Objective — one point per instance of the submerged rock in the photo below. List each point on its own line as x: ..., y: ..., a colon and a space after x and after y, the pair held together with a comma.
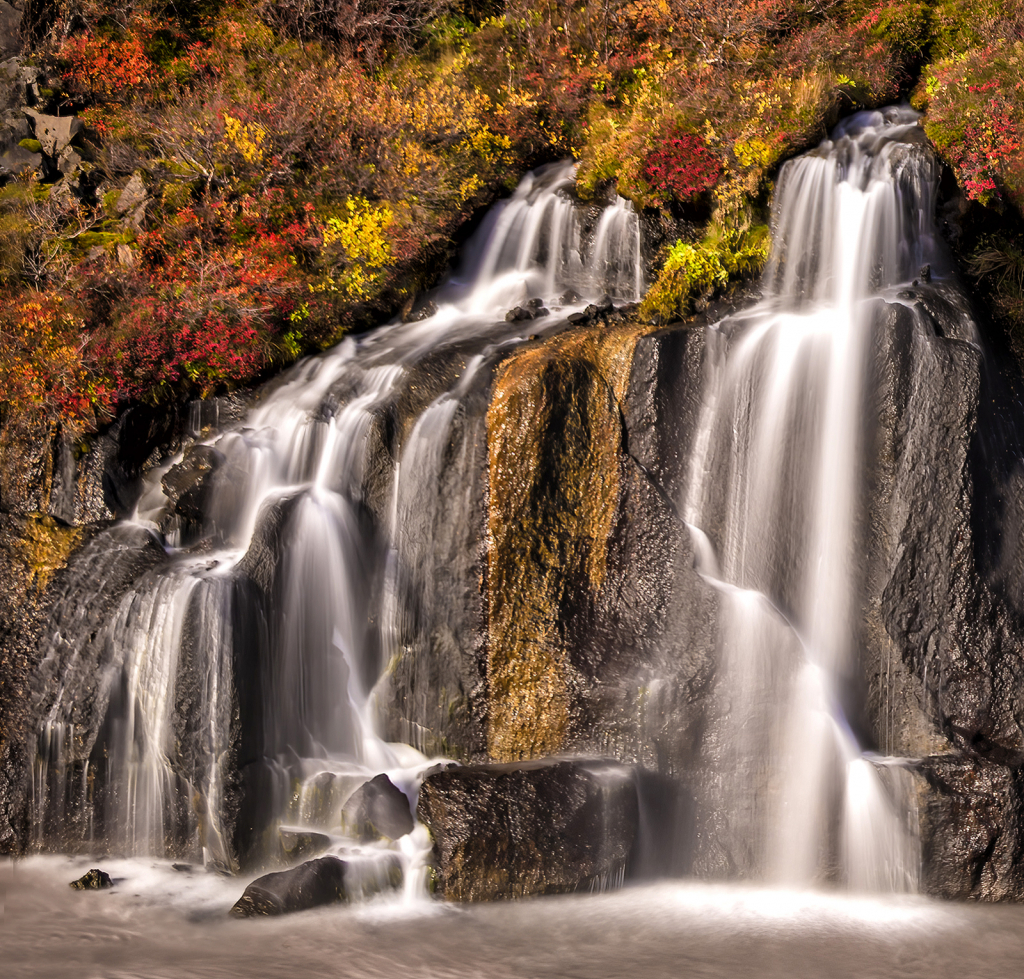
x: 507, y: 831
x: 94, y: 880
x: 328, y: 880
x: 378, y: 809
x: 299, y: 843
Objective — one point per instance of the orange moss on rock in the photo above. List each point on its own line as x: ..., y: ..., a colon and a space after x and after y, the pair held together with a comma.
x: 555, y: 464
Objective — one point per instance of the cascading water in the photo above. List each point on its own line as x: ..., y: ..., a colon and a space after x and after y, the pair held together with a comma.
x: 238, y: 674
x: 776, y: 507
x: 294, y: 584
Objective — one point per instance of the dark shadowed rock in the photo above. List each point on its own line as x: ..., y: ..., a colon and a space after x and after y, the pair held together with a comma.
x: 519, y: 313
x: 328, y: 880
x: 415, y: 312
x: 972, y: 817
x: 310, y: 885
x: 299, y: 843
x: 378, y: 809
x: 187, y: 485
x: 506, y: 831
x: 94, y: 880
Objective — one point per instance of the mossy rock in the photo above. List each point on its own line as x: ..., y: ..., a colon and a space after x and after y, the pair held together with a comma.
x: 32, y: 145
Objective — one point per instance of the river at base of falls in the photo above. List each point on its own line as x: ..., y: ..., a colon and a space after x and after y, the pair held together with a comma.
x: 157, y: 922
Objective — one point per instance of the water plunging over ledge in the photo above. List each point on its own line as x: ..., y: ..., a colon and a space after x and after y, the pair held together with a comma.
x: 308, y: 637
x: 775, y: 503
x: 239, y: 673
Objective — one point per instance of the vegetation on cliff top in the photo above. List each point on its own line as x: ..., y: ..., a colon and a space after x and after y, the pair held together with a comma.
x: 253, y: 178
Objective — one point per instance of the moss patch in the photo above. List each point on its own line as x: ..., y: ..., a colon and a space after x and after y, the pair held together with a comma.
x: 554, y: 451
x: 46, y: 547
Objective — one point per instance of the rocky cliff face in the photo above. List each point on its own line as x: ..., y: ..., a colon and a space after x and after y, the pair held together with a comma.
x: 554, y: 607
x: 550, y: 605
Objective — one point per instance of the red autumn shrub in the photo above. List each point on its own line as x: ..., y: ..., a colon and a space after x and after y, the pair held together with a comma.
x: 682, y: 167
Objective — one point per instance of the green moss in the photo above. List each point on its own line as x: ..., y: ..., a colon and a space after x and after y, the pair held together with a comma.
x: 32, y: 145
x: 101, y: 239
x: 698, y: 271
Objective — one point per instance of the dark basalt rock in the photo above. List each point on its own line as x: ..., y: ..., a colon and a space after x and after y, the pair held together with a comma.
x: 519, y: 313
x: 378, y: 809
x: 187, y: 485
x: 414, y: 313
x: 310, y: 885
x: 972, y: 820
x: 297, y: 844
x: 316, y: 883
x: 94, y: 880
x: 507, y: 831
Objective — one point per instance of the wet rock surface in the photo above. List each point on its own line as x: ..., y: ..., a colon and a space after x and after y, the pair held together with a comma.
x: 315, y: 883
x: 93, y: 880
x: 377, y: 809
x: 310, y: 885
x: 507, y: 831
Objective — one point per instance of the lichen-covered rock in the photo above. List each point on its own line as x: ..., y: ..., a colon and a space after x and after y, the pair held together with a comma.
x: 507, y: 831
x: 94, y: 880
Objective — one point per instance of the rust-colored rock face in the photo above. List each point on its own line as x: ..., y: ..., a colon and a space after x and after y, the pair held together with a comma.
x: 555, y: 453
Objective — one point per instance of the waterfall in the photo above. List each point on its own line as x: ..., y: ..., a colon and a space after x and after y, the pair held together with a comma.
x: 776, y: 503
x: 239, y: 674
x: 240, y: 671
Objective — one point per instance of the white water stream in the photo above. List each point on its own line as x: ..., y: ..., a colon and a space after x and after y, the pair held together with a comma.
x: 301, y: 458
x: 773, y: 502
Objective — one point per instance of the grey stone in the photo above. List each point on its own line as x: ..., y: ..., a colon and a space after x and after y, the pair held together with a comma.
x: 378, y: 809
x: 18, y: 160
x: 10, y: 28
x: 54, y: 132
x: 132, y: 196
x: 69, y: 161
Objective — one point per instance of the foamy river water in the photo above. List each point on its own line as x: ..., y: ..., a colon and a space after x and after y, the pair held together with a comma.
x: 159, y: 922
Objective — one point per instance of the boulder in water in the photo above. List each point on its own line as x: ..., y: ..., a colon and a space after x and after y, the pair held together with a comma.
x: 94, y: 880
x: 315, y: 883
x: 376, y: 809
x: 414, y: 313
x: 519, y: 313
x: 310, y: 885
x: 547, y: 827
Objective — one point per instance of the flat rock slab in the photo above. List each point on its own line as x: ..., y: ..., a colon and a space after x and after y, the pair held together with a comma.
x: 507, y: 831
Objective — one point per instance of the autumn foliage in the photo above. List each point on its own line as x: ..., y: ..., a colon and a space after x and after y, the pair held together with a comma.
x: 257, y: 177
